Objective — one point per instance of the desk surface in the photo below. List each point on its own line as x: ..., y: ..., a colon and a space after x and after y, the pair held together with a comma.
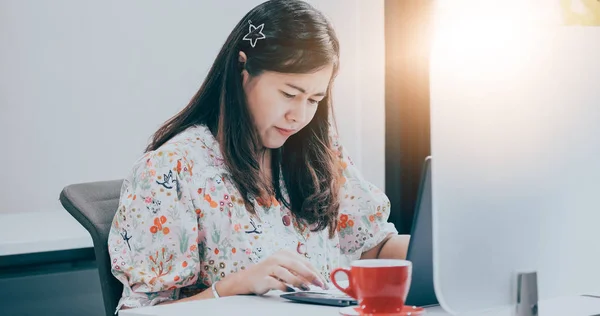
x: 247, y: 305
x: 31, y: 232
x: 272, y: 304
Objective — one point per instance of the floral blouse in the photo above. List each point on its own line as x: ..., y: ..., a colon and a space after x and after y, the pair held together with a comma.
x: 182, y: 225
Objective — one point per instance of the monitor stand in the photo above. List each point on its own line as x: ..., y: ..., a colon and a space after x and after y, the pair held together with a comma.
x: 527, y: 294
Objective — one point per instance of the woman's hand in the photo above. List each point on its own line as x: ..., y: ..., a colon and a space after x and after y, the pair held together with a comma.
x: 278, y: 270
x: 274, y: 273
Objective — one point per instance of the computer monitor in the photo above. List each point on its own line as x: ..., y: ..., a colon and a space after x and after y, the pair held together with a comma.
x: 515, y: 143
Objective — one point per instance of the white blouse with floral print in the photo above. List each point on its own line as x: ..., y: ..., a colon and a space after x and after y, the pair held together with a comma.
x: 182, y: 225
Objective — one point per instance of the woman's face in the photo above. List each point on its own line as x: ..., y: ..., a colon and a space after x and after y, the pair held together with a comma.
x: 282, y: 104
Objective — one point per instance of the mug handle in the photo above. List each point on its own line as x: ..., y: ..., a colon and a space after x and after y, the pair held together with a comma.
x: 348, y: 290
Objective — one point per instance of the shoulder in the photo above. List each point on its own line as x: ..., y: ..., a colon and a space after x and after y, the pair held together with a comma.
x: 189, y: 154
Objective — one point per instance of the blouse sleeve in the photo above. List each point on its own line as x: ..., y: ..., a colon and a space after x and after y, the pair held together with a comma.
x: 153, y: 240
x: 364, y: 208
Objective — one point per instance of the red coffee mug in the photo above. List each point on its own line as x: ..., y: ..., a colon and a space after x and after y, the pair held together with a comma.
x: 379, y: 285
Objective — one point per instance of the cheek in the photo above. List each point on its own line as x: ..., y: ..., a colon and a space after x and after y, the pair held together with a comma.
x: 256, y: 106
x: 265, y: 110
x: 313, y: 112
x: 310, y: 115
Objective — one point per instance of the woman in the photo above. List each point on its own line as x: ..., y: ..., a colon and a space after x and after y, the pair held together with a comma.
x: 247, y: 189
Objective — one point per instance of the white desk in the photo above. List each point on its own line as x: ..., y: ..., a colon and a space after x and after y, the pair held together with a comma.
x: 31, y: 232
x: 272, y: 304
x: 269, y: 304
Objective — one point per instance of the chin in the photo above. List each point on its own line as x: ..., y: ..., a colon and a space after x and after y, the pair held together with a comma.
x: 274, y: 143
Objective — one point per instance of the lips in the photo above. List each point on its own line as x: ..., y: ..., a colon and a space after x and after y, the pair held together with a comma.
x: 285, y: 132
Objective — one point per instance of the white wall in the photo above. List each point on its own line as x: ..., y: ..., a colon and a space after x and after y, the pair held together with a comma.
x: 83, y: 85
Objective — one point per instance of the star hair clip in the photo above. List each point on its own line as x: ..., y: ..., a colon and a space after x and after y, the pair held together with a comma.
x: 254, y: 33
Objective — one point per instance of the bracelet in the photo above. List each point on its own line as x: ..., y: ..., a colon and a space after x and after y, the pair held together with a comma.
x: 214, y: 289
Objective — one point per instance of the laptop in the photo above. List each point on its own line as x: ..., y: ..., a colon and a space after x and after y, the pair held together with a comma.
x: 420, y: 249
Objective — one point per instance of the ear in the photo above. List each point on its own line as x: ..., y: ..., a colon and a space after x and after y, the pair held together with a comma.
x: 242, y: 58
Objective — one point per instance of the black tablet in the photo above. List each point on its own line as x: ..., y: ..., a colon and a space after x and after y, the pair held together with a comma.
x: 332, y: 299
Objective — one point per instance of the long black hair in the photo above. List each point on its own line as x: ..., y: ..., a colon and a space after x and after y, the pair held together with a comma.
x: 297, y: 39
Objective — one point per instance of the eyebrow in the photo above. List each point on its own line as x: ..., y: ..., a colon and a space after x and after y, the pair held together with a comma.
x: 320, y: 94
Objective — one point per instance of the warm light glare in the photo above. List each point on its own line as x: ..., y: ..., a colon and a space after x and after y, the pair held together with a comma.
x: 480, y: 32
x: 487, y: 59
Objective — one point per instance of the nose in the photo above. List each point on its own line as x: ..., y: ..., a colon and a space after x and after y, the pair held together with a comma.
x: 296, y: 113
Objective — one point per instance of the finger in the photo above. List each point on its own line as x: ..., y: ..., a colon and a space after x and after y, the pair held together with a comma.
x: 275, y: 284
x: 309, y: 265
x: 288, y: 277
x: 315, y: 282
x: 312, y: 267
x: 299, y: 268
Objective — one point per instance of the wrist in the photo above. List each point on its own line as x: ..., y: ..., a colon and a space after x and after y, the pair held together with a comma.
x: 231, y: 285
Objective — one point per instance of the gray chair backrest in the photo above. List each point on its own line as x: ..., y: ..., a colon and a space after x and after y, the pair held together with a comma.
x: 94, y: 206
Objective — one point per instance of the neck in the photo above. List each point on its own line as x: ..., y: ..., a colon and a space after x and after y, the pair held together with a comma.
x: 264, y: 160
x: 265, y: 164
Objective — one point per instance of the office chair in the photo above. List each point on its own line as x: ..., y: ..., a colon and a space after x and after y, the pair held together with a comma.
x: 94, y: 205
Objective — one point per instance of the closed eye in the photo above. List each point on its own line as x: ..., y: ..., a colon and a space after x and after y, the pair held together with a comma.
x: 287, y: 95
x: 291, y: 96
